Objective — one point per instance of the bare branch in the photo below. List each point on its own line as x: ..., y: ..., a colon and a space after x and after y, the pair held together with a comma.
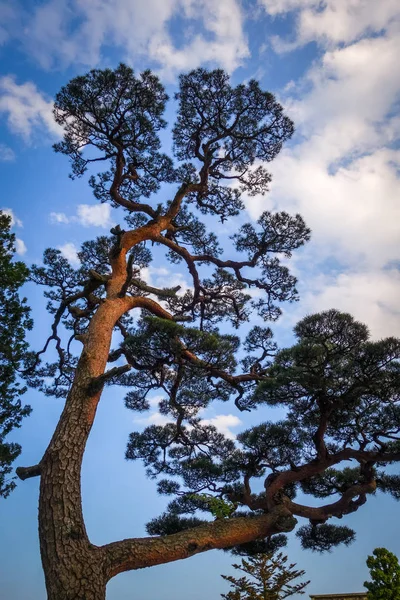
x: 28, y: 472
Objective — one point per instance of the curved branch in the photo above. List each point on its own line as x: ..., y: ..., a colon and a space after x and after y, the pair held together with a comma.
x: 343, y: 506
x: 137, y: 553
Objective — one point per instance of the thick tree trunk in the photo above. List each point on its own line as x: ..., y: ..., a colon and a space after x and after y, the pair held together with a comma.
x: 73, y: 567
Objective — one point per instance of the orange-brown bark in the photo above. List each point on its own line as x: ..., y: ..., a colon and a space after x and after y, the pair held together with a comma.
x: 137, y: 553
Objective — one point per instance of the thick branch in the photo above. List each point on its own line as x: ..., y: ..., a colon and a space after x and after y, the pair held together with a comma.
x: 28, y: 472
x: 344, y: 505
x: 317, y: 467
x: 137, y: 553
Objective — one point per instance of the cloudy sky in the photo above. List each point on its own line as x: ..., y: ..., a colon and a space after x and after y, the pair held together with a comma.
x: 334, y: 65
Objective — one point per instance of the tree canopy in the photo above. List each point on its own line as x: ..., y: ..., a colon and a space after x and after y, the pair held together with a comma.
x: 338, y: 388
x: 14, y: 321
x: 385, y: 575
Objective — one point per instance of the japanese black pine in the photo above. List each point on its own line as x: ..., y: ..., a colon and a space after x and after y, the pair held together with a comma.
x: 112, y: 326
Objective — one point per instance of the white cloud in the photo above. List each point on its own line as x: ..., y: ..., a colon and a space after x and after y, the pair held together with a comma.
x: 224, y: 424
x: 88, y: 215
x: 343, y: 171
x: 343, y: 174
x: 334, y: 21
x: 372, y: 296
x: 154, y: 418
x: 75, y: 32
x: 6, y: 153
x: 20, y: 247
x: 26, y: 108
x: 94, y: 215
x: 353, y: 212
x: 70, y: 252
x: 9, y: 19
x: 59, y: 218
x: 14, y: 219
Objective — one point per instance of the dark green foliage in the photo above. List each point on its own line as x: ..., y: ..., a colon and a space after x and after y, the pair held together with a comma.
x: 334, y: 369
x: 14, y: 321
x: 267, y: 546
x: 267, y: 577
x: 114, y: 110
x: 228, y: 129
x: 170, y: 523
x: 323, y: 537
x: 385, y: 576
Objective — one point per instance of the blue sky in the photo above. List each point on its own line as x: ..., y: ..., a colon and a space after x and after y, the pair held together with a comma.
x: 335, y: 67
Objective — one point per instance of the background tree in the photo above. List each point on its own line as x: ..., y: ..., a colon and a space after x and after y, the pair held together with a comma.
x: 385, y: 575
x: 340, y: 390
x: 270, y: 579
x: 14, y: 321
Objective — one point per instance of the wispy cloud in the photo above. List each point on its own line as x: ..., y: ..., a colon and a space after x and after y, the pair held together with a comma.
x: 6, y: 154
x: 333, y: 21
x: 20, y: 246
x: 75, y: 32
x: 224, y: 424
x: 88, y: 215
x: 70, y: 252
x: 94, y: 215
x: 26, y: 109
x: 343, y: 174
x: 56, y: 217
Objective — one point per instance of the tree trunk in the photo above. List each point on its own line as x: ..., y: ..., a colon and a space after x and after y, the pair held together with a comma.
x: 73, y: 567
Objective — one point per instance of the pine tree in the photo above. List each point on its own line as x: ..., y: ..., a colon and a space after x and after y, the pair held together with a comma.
x: 339, y: 390
x: 14, y: 321
x: 385, y: 576
x: 270, y: 579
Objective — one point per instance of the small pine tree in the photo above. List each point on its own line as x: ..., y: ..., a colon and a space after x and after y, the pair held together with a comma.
x: 385, y: 575
x: 270, y: 579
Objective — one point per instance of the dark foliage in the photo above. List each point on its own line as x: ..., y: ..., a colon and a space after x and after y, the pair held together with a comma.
x: 14, y: 321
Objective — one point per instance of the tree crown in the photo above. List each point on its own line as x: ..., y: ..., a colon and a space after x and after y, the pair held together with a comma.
x: 340, y: 389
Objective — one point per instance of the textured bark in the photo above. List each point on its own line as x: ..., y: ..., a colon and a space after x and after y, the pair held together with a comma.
x: 137, y: 553
x: 73, y: 567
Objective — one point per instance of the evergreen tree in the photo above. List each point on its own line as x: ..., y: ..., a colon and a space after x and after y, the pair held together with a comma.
x: 340, y: 390
x: 385, y: 576
x: 270, y: 579
x: 14, y: 321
